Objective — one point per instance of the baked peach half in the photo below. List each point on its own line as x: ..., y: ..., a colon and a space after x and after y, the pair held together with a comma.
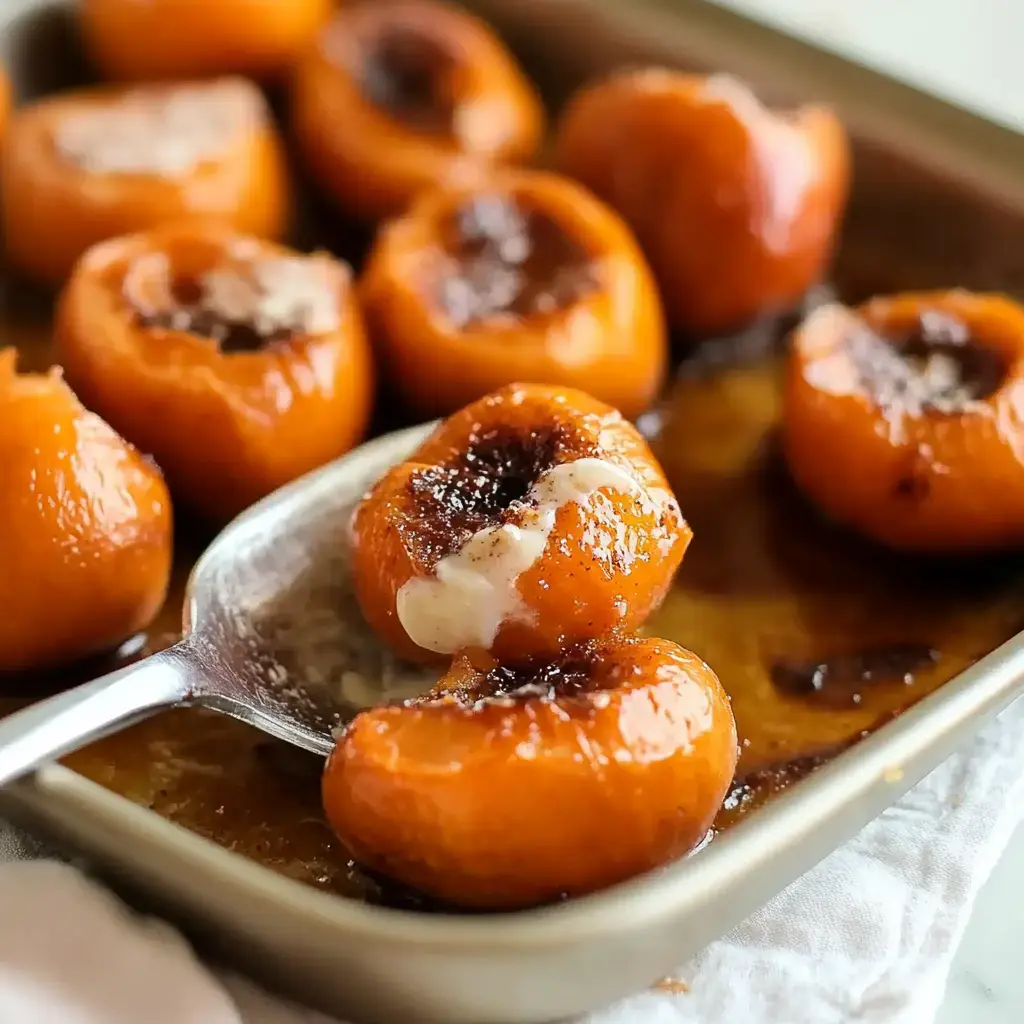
x: 237, y: 363
x: 902, y: 419
x: 505, y: 788
x: 399, y: 96
x: 534, y: 518
x: 166, y: 39
x: 528, y: 277
x: 83, y: 166
x: 736, y: 205
x: 85, y: 527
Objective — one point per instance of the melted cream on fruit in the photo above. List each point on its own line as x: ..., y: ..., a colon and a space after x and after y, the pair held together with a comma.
x: 474, y: 590
x: 164, y: 131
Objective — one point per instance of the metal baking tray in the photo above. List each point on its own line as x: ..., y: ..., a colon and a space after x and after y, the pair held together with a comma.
x: 939, y: 198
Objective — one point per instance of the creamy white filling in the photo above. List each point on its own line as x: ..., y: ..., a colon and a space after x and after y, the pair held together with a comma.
x: 161, y: 131
x: 474, y: 589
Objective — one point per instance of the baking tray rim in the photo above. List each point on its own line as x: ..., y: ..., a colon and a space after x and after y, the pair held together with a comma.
x: 855, y: 785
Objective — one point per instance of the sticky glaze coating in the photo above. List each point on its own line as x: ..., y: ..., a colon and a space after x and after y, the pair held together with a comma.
x: 533, y: 518
x: 902, y: 419
x: 66, y: 184
x: 735, y: 206
x: 504, y: 790
x: 527, y: 278
x: 398, y: 96
x: 167, y: 39
x: 84, y: 518
x: 237, y: 363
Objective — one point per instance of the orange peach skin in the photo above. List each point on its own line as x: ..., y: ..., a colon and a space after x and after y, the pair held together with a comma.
x: 85, y: 527
x: 572, y: 595
x: 164, y: 39
x: 52, y: 211
x: 853, y: 460
x: 373, y: 165
x: 227, y: 428
x: 735, y: 206
x: 514, y: 802
x: 610, y: 343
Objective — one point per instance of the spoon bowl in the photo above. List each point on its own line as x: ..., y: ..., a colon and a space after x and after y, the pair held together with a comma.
x: 273, y: 635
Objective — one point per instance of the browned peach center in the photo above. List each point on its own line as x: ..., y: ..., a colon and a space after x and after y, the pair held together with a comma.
x: 243, y: 306
x: 485, y: 485
x: 503, y: 259
x: 579, y: 670
x: 933, y: 366
x: 410, y: 74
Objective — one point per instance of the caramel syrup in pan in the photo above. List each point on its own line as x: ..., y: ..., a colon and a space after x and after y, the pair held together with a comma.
x: 819, y: 638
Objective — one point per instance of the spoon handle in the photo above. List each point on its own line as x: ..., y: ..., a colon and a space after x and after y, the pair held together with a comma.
x: 46, y: 731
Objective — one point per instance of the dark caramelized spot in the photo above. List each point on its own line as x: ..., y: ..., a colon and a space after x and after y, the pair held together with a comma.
x: 483, y: 486
x: 915, y: 486
x: 837, y: 681
x: 504, y: 260
x: 934, y: 367
x: 571, y: 674
x: 411, y: 75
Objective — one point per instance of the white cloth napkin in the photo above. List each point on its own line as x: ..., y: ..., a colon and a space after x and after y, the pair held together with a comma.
x: 867, y: 937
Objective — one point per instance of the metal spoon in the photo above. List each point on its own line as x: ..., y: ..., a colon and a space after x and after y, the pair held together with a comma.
x: 273, y: 635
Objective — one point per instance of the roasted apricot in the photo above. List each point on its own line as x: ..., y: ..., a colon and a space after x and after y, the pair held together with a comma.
x: 736, y: 206
x: 398, y: 96
x: 237, y: 363
x: 162, y: 39
x: 527, y: 278
x: 903, y: 419
x: 85, y: 527
x: 84, y: 166
x: 533, y: 518
x: 507, y: 788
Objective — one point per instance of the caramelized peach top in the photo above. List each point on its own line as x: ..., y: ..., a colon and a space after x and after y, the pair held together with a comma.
x: 918, y: 398
x: 190, y: 332
x: 500, y: 256
x: 533, y: 518
x: 162, y: 132
x: 400, y: 96
x: 96, y: 163
x: 526, y: 277
x: 507, y: 787
x: 83, y: 516
x: 244, y: 297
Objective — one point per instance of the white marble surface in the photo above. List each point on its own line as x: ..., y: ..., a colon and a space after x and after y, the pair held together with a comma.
x: 968, y: 51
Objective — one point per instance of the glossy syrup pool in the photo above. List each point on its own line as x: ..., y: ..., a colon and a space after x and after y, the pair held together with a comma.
x: 818, y: 637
